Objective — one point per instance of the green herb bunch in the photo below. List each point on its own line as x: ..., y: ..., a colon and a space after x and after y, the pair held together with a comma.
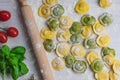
x: 11, y: 62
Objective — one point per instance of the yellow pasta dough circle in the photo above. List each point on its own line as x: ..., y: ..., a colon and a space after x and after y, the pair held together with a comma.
x: 44, y: 11
x: 105, y: 3
x: 86, y: 32
x: 63, y: 35
x: 112, y: 75
x: 116, y: 67
x: 58, y: 63
x: 46, y: 33
x: 78, y: 51
x: 82, y: 7
x: 98, y: 28
x: 63, y: 49
x: 108, y: 59
x: 103, y: 40
x: 65, y: 22
x: 102, y: 75
x: 92, y: 56
x: 50, y: 2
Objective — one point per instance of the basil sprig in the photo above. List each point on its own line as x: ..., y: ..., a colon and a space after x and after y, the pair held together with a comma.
x: 11, y: 62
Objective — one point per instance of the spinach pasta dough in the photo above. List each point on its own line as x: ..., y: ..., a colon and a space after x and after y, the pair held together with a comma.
x: 108, y: 51
x: 88, y: 20
x: 57, y: 10
x: 69, y: 60
x: 106, y: 19
x: 75, y: 28
x: 53, y: 24
x: 97, y: 65
x: 90, y: 43
x: 48, y: 45
x: 79, y: 66
x: 75, y: 38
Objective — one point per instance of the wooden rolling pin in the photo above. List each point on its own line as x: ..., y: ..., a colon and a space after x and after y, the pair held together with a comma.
x: 37, y: 45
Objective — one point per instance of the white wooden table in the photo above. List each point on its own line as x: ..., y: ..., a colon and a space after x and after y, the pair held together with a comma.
x: 113, y: 30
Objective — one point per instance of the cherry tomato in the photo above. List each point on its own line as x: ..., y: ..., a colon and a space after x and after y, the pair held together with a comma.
x: 5, y: 15
x: 3, y: 37
x: 12, y: 31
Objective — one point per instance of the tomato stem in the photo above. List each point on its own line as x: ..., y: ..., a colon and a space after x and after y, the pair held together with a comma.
x: 4, y: 29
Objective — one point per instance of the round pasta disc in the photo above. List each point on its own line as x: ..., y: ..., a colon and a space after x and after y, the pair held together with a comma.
x: 116, y: 66
x: 63, y: 49
x: 103, y: 40
x: 69, y: 60
x: 108, y: 51
x: 82, y: 7
x: 98, y: 28
x: 90, y: 43
x: 106, y: 19
x: 44, y: 11
x: 57, y: 11
x: 91, y: 56
x: 49, y: 2
x: 112, y: 75
x: 79, y: 66
x: 49, y: 45
x: 78, y: 51
x: 104, y: 75
x: 108, y: 59
x: 65, y: 22
x: 58, y: 63
x: 105, y: 3
x: 97, y: 65
x: 46, y: 33
x: 86, y: 32
x: 63, y: 35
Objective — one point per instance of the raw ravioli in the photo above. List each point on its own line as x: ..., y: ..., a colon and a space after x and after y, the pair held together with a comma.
x: 63, y: 49
x: 44, y: 11
x: 58, y: 63
x: 103, y: 40
x: 82, y: 7
x: 46, y: 33
x: 78, y: 51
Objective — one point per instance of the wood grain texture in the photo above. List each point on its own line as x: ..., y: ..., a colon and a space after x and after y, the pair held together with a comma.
x: 36, y: 41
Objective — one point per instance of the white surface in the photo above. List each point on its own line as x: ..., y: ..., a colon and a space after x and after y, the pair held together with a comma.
x: 21, y: 40
x: 113, y: 30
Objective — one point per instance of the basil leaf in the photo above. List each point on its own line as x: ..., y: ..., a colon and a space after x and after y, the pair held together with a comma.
x: 15, y: 72
x: 12, y: 60
x: 20, y: 57
x: 5, y: 50
x: 1, y: 55
x: 23, y: 69
x: 2, y: 66
x: 18, y: 50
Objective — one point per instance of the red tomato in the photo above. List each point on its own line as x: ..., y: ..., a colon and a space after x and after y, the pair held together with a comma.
x: 12, y: 31
x: 5, y: 15
x: 3, y: 37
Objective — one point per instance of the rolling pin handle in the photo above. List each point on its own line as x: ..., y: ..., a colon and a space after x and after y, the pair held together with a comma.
x: 23, y: 2
x: 36, y: 40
